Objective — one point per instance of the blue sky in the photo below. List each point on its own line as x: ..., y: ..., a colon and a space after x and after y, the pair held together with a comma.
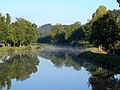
x: 54, y: 11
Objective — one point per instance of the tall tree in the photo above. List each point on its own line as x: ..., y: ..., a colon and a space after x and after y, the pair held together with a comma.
x: 99, y: 13
x: 9, y: 30
x: 25, y: 32
x: 106, y: 31
x: 2, y: 28
x: 77, y: 36
x: 118, y: 2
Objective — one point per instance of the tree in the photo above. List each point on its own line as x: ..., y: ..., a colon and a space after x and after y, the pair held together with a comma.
x: 99, y: 13
x: 25, y: 32
x: 5, y: 29
x: 70, y: 29
x: 58, y: 34
x: 62, y: 33
x: 2, y: 28
x: 77, y: 36
x: 9, y: 30
x: 31, y: 34
x: 118, y: 2
x: 19, y: 30
x: 106, y: 31
x: 87, y: 31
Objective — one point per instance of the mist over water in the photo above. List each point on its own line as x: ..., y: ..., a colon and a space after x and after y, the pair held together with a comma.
x: 57, y: 68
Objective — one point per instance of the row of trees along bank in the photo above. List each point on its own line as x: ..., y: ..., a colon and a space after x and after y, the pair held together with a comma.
x: 20, y: 32
x: 103, y: 29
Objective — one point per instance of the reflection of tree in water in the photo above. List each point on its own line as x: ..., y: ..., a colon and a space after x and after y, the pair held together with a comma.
x: 102, y: 72
x: 104, y: 82
x: 18, y: 67
x: 64, y: 59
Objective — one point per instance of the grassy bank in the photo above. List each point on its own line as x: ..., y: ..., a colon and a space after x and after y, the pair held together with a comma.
x: 20, y: 49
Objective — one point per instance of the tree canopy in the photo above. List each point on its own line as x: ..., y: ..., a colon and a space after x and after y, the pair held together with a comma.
x: 106, y: 31
x: 20, y: 32
x: 99, y: 13
x: 118, y: 2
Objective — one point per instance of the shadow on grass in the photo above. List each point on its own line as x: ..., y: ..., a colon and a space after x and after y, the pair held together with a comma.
x: 110, y: 62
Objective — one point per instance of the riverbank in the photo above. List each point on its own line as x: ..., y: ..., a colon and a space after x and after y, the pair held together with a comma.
x: 96, y: 54
x: 10, y: 49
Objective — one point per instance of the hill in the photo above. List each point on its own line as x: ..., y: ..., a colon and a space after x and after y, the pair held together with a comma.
x: 44, y: 30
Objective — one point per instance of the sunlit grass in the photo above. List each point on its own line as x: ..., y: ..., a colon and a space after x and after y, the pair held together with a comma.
x: 20, y: 49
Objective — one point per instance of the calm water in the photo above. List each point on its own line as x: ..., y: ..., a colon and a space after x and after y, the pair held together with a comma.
x: 57, y: 71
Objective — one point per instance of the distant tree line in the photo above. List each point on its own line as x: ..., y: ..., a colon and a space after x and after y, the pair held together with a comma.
x: 20, y: 32
x: 64, y: 34
x: 102, y: 30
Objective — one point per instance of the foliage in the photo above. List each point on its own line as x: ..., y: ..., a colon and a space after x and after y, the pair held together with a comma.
x: 46, y: 39
x: 118, y: 2
x: 44, y: 30
x: 106, y: 31
x: 20, y: 32
x: 64, y: 33
x: 26, y: 32
x: 77, y: 36
x: 99, y: 13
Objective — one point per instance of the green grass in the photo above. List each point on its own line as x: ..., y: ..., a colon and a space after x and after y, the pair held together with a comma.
x: 20, y: 49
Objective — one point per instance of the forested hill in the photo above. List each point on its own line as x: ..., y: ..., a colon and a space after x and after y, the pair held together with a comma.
x: 44, y: 30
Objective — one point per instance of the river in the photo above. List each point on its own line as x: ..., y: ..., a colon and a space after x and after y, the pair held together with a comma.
x: 57, y: 68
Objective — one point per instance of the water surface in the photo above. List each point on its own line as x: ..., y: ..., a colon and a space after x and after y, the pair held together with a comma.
x: 57, y: 71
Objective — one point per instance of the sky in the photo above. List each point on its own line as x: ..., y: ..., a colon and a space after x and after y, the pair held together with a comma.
x: 54, y: 11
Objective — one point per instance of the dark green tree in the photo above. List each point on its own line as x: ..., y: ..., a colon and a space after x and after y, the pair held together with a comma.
x: 57, y: 34
x: 62, y: 33
x: 118, y: 2
x: 77, y: 36
x: 106, y: 31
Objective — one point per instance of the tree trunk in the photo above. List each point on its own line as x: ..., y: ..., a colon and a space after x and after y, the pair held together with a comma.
x: 20, y: 44
x: 113, y: 51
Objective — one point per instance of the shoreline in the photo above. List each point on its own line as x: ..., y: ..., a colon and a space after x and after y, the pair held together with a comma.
x: 21, y: 49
